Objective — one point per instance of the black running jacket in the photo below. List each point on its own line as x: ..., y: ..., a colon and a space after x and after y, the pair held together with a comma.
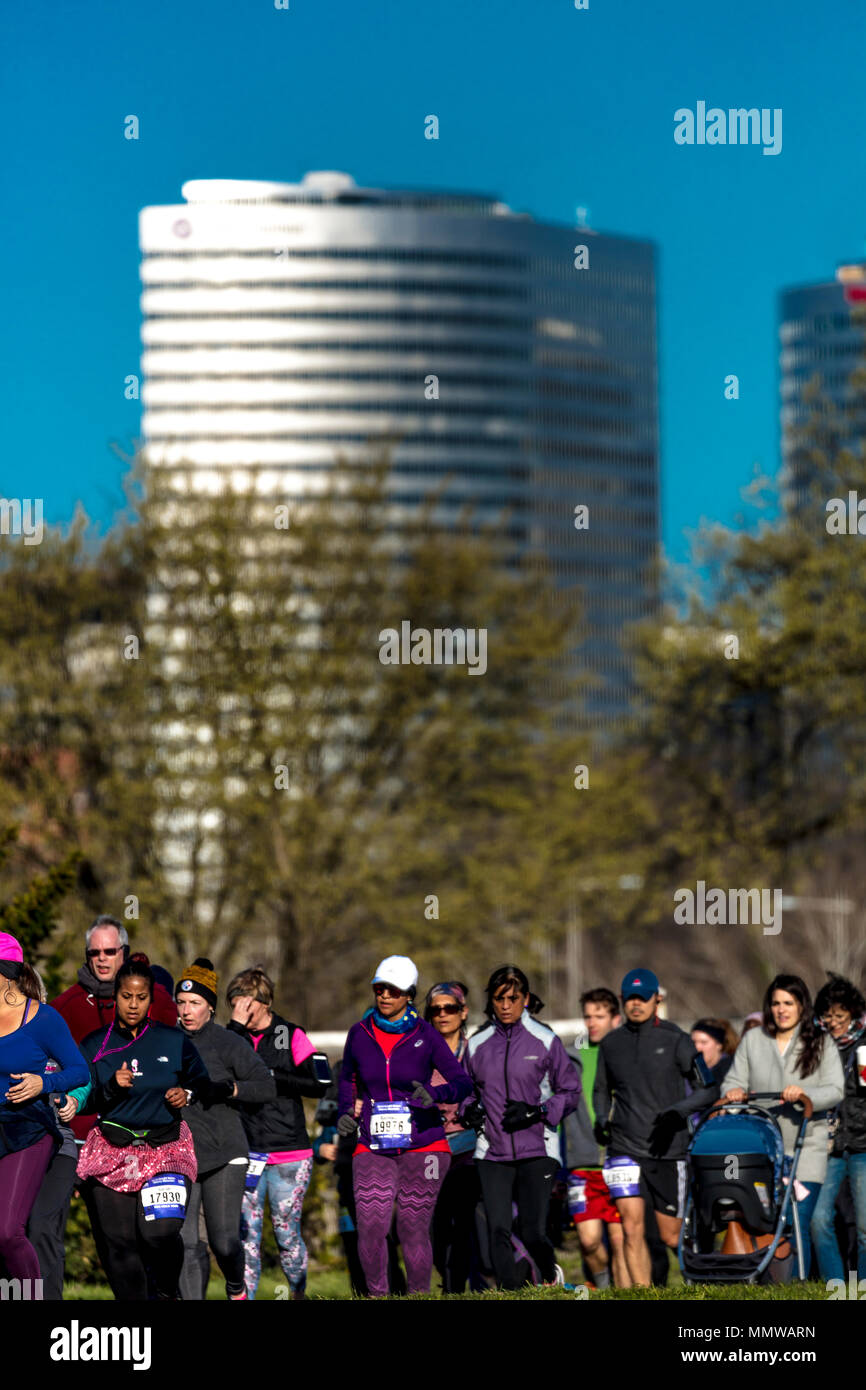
x: 642, y: 1070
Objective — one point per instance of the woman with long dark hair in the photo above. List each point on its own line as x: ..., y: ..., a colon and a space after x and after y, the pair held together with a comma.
x: 526, y: 1085
x: 31, y: 1037
x: 789, y: 1054
x: 841, y: 1010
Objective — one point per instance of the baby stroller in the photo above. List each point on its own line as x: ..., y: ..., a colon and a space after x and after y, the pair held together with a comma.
x: 742, y: 1183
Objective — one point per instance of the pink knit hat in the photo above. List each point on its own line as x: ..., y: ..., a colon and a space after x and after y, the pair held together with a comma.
x: 10, y: 949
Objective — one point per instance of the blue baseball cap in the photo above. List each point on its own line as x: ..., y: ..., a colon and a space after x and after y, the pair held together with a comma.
x: 643, y: 983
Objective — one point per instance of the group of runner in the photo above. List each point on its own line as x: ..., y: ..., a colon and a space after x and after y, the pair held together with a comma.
x: 448, y: 1146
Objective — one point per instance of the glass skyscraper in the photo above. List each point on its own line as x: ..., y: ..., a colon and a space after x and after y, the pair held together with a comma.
x: 287, y: 323
x: 822, y: 340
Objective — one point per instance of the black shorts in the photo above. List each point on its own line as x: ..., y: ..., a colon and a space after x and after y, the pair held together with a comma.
x: 663, y: 1183
x: 666, y: 1182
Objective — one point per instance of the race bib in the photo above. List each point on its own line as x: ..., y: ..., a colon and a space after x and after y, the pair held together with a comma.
x: 164, y: 1196
x: 255, y: 1168
x: 576, y: 1196
x: 390, y: 1125
x: 622, y: 1176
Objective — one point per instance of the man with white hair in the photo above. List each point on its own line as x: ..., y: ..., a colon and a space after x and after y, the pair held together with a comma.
x: 89, y: 1003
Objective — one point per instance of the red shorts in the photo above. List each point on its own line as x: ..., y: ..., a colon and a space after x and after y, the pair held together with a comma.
x: 599, y: 1206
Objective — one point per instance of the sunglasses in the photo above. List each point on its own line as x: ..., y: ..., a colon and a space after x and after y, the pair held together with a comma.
x: 444, y: 1008
x: 103, y: 951
x: 390, y: 990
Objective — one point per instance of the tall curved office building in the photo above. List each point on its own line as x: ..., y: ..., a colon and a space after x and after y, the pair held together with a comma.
x: 286, y: 323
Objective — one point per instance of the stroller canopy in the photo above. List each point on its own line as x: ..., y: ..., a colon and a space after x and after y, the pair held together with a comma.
x: 730, y: 1133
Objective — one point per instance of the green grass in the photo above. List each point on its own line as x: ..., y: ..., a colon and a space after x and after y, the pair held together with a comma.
x: 329, y: 1287
x: 329, y: 1282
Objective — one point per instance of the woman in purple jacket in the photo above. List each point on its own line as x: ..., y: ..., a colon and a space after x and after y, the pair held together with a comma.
x: 526, y: 1085
x: 387, y: 1098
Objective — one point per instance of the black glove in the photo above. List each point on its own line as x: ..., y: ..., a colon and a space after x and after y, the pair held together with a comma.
x: 421, y: 1096
x: 601, y: 1133
x: 346, y: 1125
x: 473, y: 1116
x: 519, y: 1115
x: 666, y: 1126
x: 220, y: 1092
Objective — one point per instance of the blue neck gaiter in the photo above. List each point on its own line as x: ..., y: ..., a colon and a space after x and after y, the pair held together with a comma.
x: 388, y: 1025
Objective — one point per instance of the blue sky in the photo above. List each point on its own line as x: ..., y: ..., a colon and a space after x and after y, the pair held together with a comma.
x: 546, y: 106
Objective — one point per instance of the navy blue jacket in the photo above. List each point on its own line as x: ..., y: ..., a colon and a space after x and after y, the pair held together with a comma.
x: 160, y: 1057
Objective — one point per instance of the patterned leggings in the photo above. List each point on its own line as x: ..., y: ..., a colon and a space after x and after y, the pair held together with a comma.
x: 414, y: 1180
x: 285, y: 1185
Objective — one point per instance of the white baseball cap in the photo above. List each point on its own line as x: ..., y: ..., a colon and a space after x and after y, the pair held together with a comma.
x: 397, y: 970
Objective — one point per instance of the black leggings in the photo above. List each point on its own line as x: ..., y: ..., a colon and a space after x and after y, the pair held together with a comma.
x: 47, y: 1228
x: 528, y: 1182
x: 130, y: 1247
x: 219, y: 1194
x: 455, y: 1244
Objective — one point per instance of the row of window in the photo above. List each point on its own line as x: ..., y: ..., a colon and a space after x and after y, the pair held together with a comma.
x: 596, y: 453
x: 540, y: 479
x: 461, y: 288
x: 543, y: 357
x: 544, y: 386
x: 803, y: 357
x: 411, y: 433
x: 531, y: 266
x: 433, y: 414
x: 522, y: 323
x: 836, y: 381
x: 608, y: 327
x: 819, y: 323
x: 527, y: 353
x: 549, y: 297
x: 483, y: 259
x: 614, y: 338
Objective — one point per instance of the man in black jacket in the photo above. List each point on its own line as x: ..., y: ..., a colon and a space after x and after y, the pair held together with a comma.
x: 643, y: 1068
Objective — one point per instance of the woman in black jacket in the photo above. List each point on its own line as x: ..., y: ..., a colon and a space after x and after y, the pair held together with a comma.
x: 221, y: 1149
x: 281, y: 1155
x: 841, y: 1011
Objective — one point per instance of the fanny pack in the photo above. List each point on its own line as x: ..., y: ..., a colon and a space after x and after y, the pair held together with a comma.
x: 462, y: 1141
x: 120, y: 1137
